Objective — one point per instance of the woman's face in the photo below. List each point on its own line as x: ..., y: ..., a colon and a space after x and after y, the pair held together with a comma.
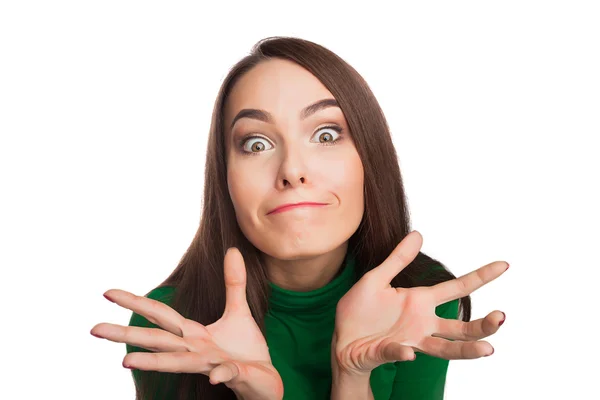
x: 286, y: 155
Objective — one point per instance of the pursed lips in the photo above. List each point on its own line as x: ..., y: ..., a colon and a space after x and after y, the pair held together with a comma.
x: 287, y: 207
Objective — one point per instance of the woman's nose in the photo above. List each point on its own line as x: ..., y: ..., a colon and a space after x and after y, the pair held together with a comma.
x: 293, y: 170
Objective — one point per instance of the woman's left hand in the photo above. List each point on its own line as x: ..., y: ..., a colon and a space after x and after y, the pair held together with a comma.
x: 377, y: 324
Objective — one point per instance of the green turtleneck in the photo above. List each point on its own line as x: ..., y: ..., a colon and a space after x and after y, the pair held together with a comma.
x: 299, y: 327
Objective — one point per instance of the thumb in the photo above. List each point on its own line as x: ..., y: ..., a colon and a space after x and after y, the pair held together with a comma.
x: 225, y: 372
x: 235, y: 282
x: 394, y: 351
x: 404, y: 253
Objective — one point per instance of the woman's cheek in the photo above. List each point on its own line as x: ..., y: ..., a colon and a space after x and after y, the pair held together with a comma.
x: 247, y: 191
x: 347, y: 177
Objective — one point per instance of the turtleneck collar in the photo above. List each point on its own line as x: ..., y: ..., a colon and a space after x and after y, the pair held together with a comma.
x: 321, y: 299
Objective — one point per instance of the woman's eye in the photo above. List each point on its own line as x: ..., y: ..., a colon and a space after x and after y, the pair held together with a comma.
x: 255, y: 144
x: 326, y: 135
x: 331, y: 133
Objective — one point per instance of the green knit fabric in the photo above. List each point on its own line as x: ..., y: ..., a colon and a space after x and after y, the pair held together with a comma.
x: 299, y: 327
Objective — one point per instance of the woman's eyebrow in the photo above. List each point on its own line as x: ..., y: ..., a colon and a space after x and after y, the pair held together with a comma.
x: 264, y: 116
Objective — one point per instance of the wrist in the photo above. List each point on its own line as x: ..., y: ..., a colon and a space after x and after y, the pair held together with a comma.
x: 252, y: 395
x: 239, y: 395
x: 351, y: 386
x: 343, y: 374
x: 353, y: 379
x: 346, y: 383
x: 343, y: 368
x: 246, y: 392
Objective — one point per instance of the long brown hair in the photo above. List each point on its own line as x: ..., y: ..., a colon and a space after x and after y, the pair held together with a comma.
x: 199, y: 280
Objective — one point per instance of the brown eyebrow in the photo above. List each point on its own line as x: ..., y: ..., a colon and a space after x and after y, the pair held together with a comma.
x: 264, y: 116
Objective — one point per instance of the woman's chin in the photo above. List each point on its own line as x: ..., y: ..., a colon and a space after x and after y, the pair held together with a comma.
x: 296, y: 249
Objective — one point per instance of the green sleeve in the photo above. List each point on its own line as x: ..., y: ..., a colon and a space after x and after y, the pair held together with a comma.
x: 162, y: 382
x: 424, y: 378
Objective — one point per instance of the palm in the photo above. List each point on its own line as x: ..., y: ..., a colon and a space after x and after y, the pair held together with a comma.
x: 232, y: 350
x: 376, y: 323
x: 238, y: 335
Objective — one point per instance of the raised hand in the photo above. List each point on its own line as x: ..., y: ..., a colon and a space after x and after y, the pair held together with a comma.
x: 376, y: 324
x: 232, y: 350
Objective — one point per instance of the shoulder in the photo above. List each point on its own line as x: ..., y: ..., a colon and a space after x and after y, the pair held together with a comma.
x: 163, y: 294
x: 431, y: 270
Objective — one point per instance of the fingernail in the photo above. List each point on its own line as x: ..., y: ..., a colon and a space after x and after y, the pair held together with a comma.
x: 503, y: 319
x: 108, y: 298
x: 128, y: 366
x: 98, y: 336
x: 490, y: 353
x: 507, y: 267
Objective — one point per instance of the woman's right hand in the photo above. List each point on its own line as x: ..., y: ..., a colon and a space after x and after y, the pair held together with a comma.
x: 232, y: 350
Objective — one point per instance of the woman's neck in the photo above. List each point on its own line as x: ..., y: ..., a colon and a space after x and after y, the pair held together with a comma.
x: 306, y: 274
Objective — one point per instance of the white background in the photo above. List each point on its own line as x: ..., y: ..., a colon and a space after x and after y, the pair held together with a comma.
x: 104, y: 113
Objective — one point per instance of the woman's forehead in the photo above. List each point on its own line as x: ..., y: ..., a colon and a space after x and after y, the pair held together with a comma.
x: 277, y: 86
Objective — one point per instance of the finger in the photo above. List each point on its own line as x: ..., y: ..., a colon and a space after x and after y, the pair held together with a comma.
x: 399, y: 258
x: 152, y: 339
x: 474, y: 330
x: 466, y: 284
x: 255, y: 378
x: 225, y: 372
x: 235, y: 282
x: 449, y: 350
x: 176, y: 362
x: 394, y: 351
x: 154, y: 311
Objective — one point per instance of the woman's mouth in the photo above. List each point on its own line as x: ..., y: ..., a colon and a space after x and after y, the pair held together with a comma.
x: 288, y: 207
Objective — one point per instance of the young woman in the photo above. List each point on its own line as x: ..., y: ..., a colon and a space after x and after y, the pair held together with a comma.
x: 304, y: 280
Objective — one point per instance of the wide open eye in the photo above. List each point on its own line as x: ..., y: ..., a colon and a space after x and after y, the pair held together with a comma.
x: 255, y: 144
x: 328, y: 137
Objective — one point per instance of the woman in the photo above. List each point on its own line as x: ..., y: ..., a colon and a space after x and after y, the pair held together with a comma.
x: 327, y: 299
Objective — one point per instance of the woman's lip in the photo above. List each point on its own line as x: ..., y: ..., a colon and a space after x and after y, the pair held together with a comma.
x: 292, y: 206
